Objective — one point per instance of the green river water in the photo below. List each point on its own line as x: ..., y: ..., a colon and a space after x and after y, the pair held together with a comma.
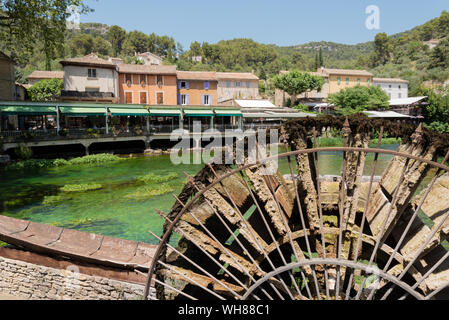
x: 110, y: 211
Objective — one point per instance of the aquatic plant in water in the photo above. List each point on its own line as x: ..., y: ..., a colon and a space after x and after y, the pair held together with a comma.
x: 81, y: 187
x: 148, y: 192
x: 81, y: 222
x: 45, y: 163
x: 153, y: 178
x: 53, y: 200
x: 94, y: 159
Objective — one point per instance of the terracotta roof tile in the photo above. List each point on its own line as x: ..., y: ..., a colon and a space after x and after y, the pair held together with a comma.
x: 197, y: 75
x: 38, y: 74
x: 146, y: 69
x: 312, y: 73
x: 90, y: 59
x: 236, y: 76
x: 394, y: 80
x: 347, y: 72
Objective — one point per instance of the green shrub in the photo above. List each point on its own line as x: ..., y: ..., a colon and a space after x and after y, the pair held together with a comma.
x: 23, y: 152
x: 330, y: 142
x: 46, y: 90
x: 30, y: 164
x: 60, y: 162
x: 302, y: 107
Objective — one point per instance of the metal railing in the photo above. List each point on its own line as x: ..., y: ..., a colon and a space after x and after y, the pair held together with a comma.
x: 77, y: 133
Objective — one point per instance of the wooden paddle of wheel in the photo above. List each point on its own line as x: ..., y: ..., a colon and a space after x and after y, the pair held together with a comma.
x: 247, y: 235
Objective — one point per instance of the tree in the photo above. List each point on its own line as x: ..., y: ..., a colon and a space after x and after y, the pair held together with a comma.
x: 195, y: 49
x: 382, y: 48
x: 46, y: 90
x: 116, y: 36
x: 136, y: 42
x: 24, y: 23
x: 440, y: 55
x: 296, y: 83
x: 101, y: 46
x: 82, y: 44
x: 207, y: 50
x: 320, y: 58
x: 437, y: 109
x: 298, y: 60
x: 359, y: 99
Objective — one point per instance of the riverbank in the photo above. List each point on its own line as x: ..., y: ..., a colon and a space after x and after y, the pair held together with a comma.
x: 339, y: 142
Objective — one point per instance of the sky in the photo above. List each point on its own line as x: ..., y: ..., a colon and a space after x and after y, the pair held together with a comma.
x: 280, y: 22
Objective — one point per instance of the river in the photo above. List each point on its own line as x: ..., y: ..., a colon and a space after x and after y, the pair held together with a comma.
x: 114, y: 210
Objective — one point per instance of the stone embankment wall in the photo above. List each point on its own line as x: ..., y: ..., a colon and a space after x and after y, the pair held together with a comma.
x: 30, y: 281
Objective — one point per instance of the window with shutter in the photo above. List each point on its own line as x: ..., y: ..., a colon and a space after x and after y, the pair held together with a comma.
x: 143, y: 79
x: 160, y: 98
x: 143, y: 98
x: 128, y: 97
x: 92, y: 73
x: 159, y: 80
x: 183, y: 85
x: 128, y: 79
x: 206, y: 85
x: 205, y: 99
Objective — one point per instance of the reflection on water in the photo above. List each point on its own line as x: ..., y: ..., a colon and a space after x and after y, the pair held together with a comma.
x: 331, y: 162
x: 110, y: 211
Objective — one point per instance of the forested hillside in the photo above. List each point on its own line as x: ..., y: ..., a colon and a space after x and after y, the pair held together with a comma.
x: 402, y: 55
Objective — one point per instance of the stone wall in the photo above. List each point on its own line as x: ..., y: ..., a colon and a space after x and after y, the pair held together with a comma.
x: 30, y: 281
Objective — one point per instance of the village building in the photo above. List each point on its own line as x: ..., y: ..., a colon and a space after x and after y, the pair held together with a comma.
x: 39, y: 75
x: 395, y: 88
x: 90, y: 79
x: 115, y: 60
x: 7, y: 78
x: 334, y: 81
x: 21, y: 91
x: 411, y: 106
x: 342, y: 79
x: 197, y: 88
x: 147, y: 84
x: 235, y: 85
x: 281, y: 97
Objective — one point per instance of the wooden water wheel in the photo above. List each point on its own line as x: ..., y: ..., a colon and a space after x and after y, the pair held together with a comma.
x: 244, y: 234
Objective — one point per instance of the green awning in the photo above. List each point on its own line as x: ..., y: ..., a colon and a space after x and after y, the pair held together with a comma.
x: 28, y: 111
x: 165, y: 112
x: 79, y: 112
x: 129, y: 112
x: 198, y: 113
x: 228, y: 113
